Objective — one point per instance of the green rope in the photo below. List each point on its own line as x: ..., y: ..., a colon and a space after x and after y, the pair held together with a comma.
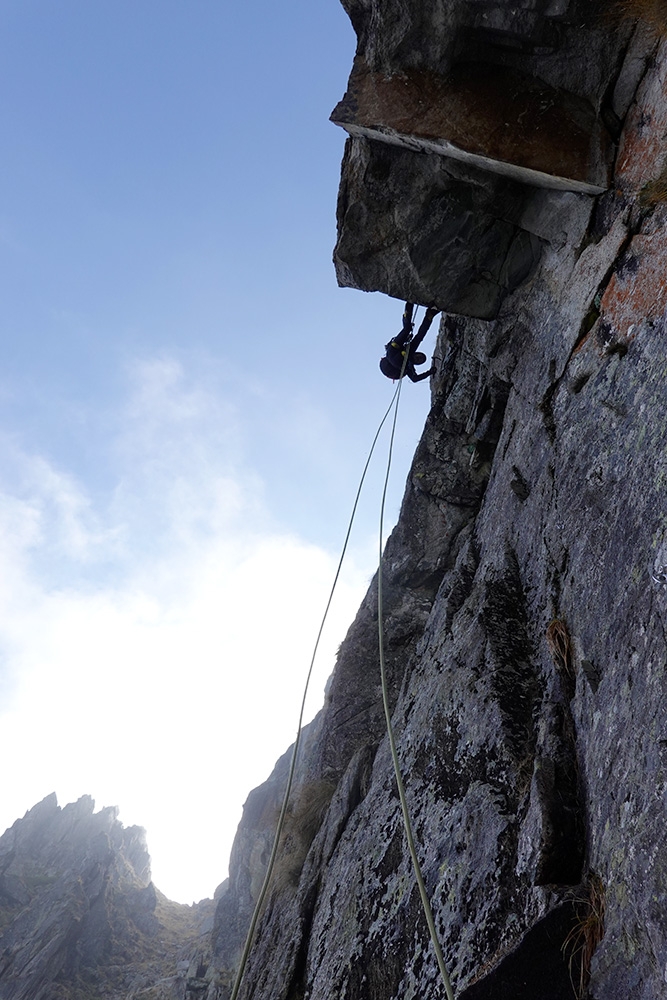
x: 390, y: 730
x: 283, y: 811
x: 385, y: 697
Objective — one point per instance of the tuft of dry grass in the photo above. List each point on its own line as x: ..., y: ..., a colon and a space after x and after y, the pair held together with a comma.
x: 560, y: 646
x: 302, y: 822
x: 653, y: 12
x: 655, y: 192
x: 587, y: 932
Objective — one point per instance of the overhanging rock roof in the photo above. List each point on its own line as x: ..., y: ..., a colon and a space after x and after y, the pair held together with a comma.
x: 493, y: 117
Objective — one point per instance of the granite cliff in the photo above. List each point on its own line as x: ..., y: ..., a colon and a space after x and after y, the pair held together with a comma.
x: 507, y: 162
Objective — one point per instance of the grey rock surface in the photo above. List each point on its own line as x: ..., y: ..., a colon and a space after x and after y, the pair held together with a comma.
x: 526, y: 598
x: 527, y: 91
x: 457, y: 240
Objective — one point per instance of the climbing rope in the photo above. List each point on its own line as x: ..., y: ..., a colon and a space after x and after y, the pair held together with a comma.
x: 290, y: 778
x: 428, y: 913
x: 385, y: 699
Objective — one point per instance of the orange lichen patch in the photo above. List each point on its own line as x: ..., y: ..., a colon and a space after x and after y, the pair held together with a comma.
x: 638, y: 289
x: 497, y: 115
x: 642, y: 152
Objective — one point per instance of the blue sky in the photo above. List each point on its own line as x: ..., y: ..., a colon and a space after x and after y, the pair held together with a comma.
x: 186, y: 402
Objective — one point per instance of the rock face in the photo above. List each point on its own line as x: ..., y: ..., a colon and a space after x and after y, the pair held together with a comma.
x: 548, y: 137
x: 533, y: 92
x: 80, y: 918
x: 525, y: 583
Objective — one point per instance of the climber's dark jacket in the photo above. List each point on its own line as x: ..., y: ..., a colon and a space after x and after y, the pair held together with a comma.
x: 392, y: 364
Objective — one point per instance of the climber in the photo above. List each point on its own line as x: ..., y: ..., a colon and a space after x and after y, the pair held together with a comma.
x: 392, y: 364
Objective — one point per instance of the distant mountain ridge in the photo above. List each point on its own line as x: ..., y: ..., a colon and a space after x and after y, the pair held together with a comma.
x: 80, y: 918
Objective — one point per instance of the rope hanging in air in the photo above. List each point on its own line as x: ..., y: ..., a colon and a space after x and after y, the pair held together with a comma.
x: 290, y: 778
x: 385, y: 699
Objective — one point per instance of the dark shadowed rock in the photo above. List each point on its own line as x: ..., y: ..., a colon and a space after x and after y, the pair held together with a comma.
x: 489, y: 116
x: 467, y: 246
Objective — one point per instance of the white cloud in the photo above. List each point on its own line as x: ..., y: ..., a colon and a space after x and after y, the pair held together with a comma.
x: 157, y: 644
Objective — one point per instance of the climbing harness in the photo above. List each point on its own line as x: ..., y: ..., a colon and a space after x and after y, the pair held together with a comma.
x: 390, y: 732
